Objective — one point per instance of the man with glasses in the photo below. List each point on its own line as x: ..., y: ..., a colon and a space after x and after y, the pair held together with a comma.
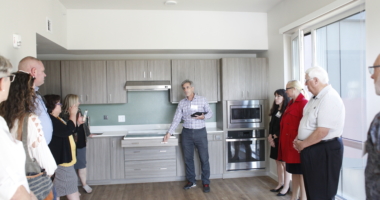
x: 372, y: 145
x: 319, y: 137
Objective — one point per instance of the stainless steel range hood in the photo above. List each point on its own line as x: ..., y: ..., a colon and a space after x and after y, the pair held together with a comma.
x: 147, y: 85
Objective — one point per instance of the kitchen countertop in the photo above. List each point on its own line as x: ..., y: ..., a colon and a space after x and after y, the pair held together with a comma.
x: 114, y: 131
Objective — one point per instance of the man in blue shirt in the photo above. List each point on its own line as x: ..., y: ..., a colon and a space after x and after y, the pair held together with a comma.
x: 194, y: 134
x: 36, y: 68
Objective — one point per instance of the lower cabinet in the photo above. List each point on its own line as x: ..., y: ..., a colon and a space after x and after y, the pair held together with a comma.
x: 215, y: 151
x: 150, y: 162
x: 105, y: 159
x: 98, y: 159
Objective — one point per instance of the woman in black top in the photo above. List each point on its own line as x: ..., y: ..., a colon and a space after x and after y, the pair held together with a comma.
x: 279, y: 105
x: 80, y: 136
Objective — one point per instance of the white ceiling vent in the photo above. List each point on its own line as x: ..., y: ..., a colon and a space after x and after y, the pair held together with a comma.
x: 49, y: 25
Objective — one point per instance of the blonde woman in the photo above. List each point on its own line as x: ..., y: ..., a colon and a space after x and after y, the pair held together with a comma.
x: 81, y: 135
x: 289, y: 131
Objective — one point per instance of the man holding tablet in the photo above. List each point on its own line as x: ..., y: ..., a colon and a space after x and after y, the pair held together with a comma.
x: 194, y: 134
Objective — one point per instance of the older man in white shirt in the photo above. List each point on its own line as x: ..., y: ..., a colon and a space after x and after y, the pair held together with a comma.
x: 319, y: 137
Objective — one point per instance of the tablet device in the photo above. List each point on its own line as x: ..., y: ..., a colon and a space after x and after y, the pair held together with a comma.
x: 197, y: 114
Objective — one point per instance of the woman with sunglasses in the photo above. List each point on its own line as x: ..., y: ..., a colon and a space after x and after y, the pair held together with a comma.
x: 63, y: 148
x: 12, y: 168
x: 290, y: 121
x: 25, y: 126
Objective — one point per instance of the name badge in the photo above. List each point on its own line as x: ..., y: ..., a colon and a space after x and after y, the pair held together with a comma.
x: 194, y: 107
x: 278, y: 114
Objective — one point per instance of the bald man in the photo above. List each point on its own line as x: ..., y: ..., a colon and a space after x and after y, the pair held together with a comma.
x: 36, y: 68
x: 372, y: 146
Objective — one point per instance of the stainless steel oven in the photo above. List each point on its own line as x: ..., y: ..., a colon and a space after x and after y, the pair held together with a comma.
x: 245, y: 114
x: 245, y: 149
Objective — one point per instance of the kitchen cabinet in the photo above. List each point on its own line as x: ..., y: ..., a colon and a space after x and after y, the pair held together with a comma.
x: 215, y: 151
x: 94, y: 84
x: 52, y: 84
x: 181, y: 168
x: 203, y: 73
x: 98, y: 159
x: 149, y: 162
x: 148, y: 70
x: 87, y: 79
x: 72, y: 78
x: 117, y: 158
x: 244, y: 78
x: 116, y: 76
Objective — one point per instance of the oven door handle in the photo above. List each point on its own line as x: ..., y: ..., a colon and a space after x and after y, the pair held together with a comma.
x: 246, y: 139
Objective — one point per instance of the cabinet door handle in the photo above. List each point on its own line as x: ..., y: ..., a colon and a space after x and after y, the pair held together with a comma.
x: 242, y: 93
x: 247, y: 94
x: 163, y: 168
x: 144, y: 74
x: 113, y: 143
x: 81, y: 98
x: 162, y: 151
x: 136, y: 152
x: 135, y: 142
x: 150, y: 74
x: 86, y: 97
x: 110, y: 98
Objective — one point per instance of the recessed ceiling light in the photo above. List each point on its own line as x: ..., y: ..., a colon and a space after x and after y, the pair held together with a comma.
x: 170, y: 3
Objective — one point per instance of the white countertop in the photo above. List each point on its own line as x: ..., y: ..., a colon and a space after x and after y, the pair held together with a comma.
x: 113, y: 131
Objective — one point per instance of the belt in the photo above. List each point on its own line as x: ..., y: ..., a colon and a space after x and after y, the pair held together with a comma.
x: 329, y: 140
x: 34, y: 175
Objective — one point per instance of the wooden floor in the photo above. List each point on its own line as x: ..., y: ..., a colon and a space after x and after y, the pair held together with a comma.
x: 253, y: 188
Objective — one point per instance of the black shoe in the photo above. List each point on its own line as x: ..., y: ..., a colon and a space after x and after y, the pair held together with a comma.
x: 277, y: 190
x: 280, y: 194
x: 189, y: 185
x: 206, y: 188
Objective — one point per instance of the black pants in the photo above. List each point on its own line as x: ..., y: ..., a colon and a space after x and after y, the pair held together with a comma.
x: 321, y: 164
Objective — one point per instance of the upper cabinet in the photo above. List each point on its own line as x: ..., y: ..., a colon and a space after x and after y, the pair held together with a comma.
x: 244, y: 78
x: 116, y: 76
x: 203, y: 73
x: 52, y: 83
x: 95, y: 82
x: 148, y: 70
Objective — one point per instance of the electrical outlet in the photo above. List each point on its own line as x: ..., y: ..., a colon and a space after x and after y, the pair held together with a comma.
x: 121, y: 118
x: 105, y: 117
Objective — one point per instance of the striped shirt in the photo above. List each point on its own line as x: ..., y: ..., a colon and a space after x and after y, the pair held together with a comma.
x: 186, y: 108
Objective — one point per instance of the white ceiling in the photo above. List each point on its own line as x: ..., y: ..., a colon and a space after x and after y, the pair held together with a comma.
x: 193, y: 5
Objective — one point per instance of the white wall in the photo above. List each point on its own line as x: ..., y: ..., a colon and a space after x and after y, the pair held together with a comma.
x: 128, y: 29
x: 286, y: 12
x: 372, y: 51
x: 26, y: 18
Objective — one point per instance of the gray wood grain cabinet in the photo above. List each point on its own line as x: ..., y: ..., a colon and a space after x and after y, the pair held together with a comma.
x: 87, y: 79
x: 98, y: 159
x: 244, y: 78
x: 204, y: 74
x: 148, y: 70
x: 72, y: 78
x: 117, y: 158
x: 52, y: 83
x: 215, y: 150
x: 116, y: 77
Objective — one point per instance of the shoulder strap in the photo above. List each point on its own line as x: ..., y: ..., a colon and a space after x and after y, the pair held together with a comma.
x: 31, y: 166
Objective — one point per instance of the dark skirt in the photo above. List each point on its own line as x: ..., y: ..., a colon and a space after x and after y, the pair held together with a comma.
x: 294, y: 168
x: 274, y: 150
x: 81, y: 159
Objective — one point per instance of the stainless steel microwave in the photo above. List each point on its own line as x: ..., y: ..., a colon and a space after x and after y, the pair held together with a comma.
x: 245, y: 114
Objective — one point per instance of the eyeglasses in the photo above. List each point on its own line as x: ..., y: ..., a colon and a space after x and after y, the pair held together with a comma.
x: 306, y: 80
x: 58, y: 104
x: 371, y: 69
x: 12, y: 77
x: 289, y: 88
